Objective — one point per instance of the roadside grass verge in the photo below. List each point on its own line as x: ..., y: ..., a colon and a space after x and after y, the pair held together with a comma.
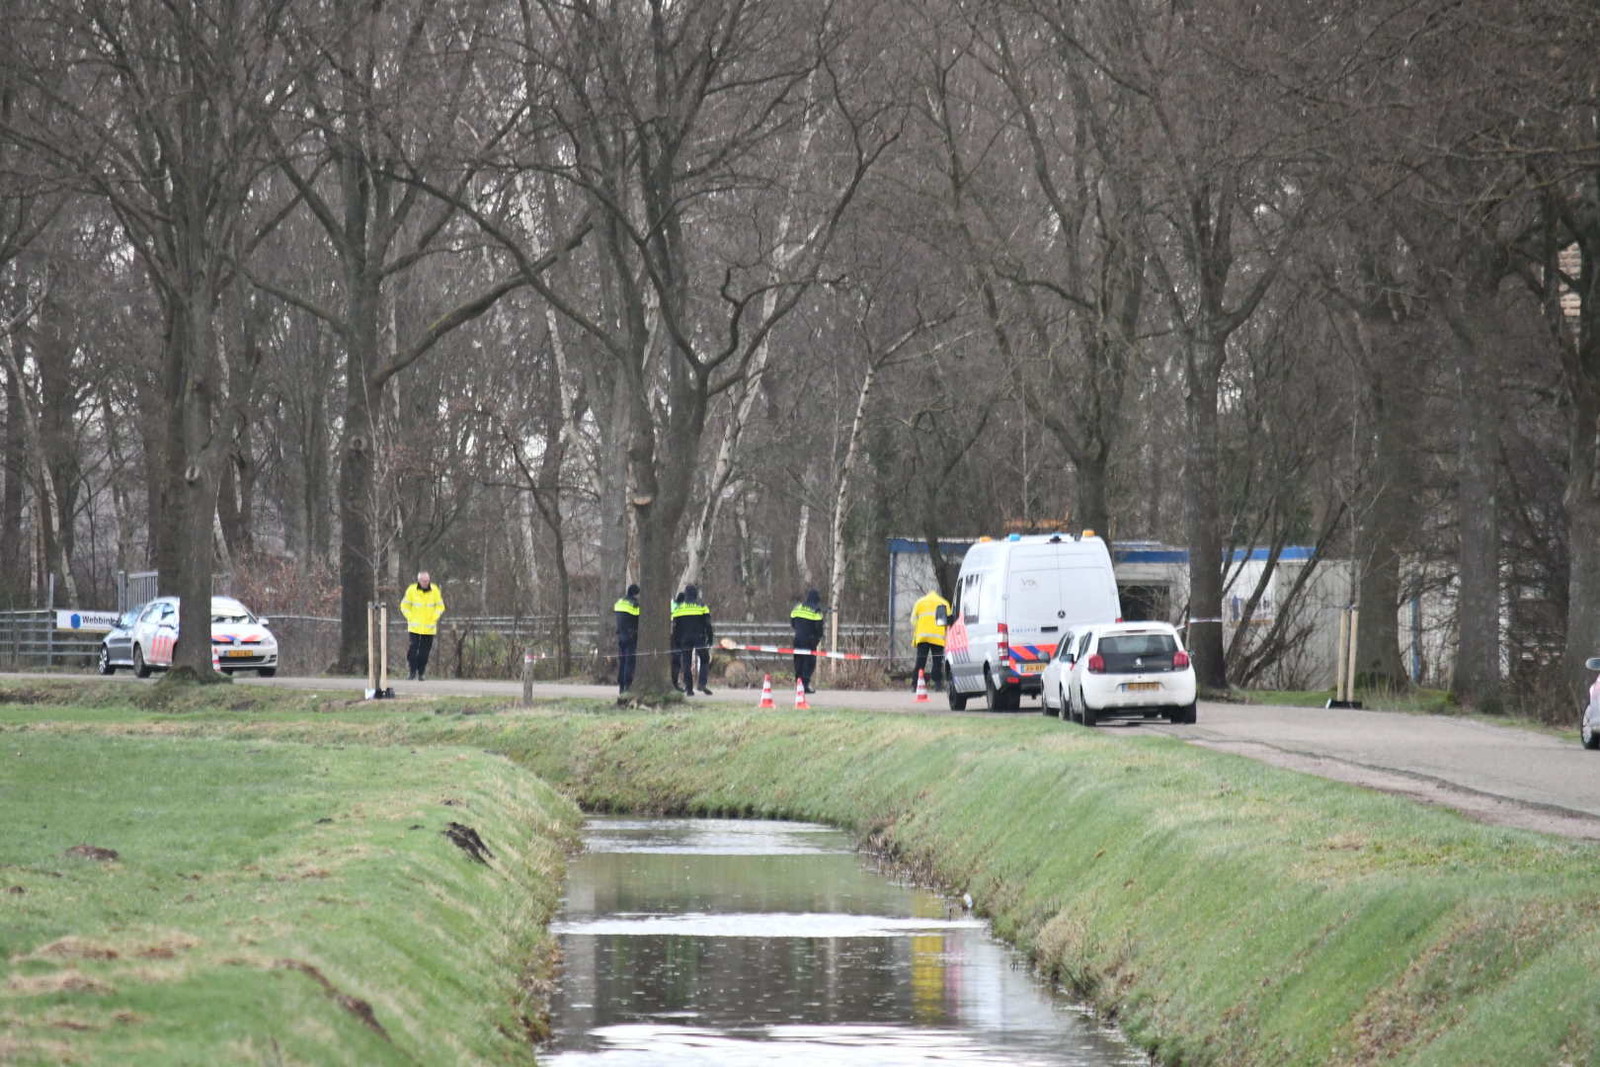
x: 270, y: 901
x: 1224, y: 911
x: 1419, y: 701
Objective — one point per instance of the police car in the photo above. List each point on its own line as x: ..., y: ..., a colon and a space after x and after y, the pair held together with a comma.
x: 144, y: 638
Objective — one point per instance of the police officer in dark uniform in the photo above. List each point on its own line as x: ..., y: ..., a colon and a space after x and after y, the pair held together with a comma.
x: 627, y: 609
x: 691, y: 640
x: 806, y: 618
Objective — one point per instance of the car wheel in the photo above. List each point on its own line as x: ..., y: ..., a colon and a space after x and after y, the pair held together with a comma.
x: 141, y: 669
x: 1066, y: 705
x: 105, y: 661
x: 266, y: 672
x: 1590, y: 738
x: 1087, y: 715
x: 1184, y: 716
x: 995, y: 699
x: 1045, y: 708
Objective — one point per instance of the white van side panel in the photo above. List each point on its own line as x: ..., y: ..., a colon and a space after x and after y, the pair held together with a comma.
x: 1040, y: 589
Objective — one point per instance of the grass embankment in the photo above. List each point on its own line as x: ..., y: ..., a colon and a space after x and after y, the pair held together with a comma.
x: 1228, y: 912
x: 270, y: 901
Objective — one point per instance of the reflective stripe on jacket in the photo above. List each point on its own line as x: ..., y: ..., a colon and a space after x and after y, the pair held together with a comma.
x: 925, y: 625
x: 627, y: 616
x: 807, y: 623
x: 691, y: 624
x: 422, y: 608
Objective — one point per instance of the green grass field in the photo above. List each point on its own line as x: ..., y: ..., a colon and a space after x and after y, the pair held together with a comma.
x: 1223, y: 911
x: 270, y: 902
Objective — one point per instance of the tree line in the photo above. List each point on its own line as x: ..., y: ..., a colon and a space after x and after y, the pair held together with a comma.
x: 550, y: 296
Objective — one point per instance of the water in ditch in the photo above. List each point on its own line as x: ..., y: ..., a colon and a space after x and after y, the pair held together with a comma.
x: 741, y: 942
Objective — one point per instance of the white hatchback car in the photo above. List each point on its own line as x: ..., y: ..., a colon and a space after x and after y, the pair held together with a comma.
x: 240, y: 640
x: 1589, y: 729
x: 1127, y: 670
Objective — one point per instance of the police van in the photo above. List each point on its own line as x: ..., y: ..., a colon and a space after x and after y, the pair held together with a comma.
x: 1015, y: 599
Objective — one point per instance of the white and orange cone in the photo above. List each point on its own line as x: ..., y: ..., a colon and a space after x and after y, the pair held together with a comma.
x: 922, y: 689
x: 766, y: 692
x: 800, y: 702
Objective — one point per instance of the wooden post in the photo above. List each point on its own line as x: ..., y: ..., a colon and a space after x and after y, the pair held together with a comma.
x: 1350, y: 684
x: 372, y: 651
x: 527, y: 678
x: 383, y: 649
x: 1340, y: 656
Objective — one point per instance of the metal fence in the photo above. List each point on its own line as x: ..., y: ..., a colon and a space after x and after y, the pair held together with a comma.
x: 493, y: 646
x: 490, y: 646
x: 30, y: 640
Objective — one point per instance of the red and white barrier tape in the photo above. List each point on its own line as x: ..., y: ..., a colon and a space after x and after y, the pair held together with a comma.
x: 820, y: 653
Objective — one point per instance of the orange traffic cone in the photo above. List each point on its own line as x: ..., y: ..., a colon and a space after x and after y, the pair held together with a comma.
x: 922, y: 689
x: 766, y: 692
x: 800, y: 696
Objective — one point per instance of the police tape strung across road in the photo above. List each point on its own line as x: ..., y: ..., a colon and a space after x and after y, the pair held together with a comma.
x: 725, y: 644
x: 728, y: 644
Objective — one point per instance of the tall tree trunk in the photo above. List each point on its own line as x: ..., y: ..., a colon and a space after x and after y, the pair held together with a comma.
x: 841, y: 504
x: 1582, y: 496
x: 13, y: 586
x: 357, y: 483
x: 1202, y: 512
x: 1477, y: 677
x: 1385, y: 524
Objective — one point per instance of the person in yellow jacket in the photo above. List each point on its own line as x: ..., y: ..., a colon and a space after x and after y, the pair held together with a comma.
x: 929, y: 618
x: 422, y: 606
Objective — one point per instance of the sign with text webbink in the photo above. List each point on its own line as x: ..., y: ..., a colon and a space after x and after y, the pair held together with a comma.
x: 97, y: 621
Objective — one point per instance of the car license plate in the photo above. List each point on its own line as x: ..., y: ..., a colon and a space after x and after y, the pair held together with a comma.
x: 240, y: 652
x: 1033, y: 668
x: 1141, y: 687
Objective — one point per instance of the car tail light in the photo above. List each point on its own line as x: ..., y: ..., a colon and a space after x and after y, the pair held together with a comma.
x: 1003, y: 636
x: 1180, y: 660
x: 1097, y: 664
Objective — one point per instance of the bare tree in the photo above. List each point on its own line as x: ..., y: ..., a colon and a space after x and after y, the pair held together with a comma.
x: 668, y: 122
x: 161, y: 115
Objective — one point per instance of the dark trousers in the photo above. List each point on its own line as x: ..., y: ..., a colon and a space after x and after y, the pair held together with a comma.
x: 683, y: 665
x: 417, y: 653
x: 804, y: 668
x: 627, y: 653
x: 683, y: 669
x: 926, y: 651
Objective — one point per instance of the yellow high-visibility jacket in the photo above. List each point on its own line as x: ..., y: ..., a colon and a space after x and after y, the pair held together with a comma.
x: 925, y: 625
x: 422, y: 608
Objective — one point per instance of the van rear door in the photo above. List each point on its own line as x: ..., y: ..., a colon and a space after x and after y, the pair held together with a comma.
x: 1033, y: 611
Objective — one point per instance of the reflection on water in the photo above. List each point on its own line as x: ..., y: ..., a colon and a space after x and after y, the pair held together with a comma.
x: 733, y: 942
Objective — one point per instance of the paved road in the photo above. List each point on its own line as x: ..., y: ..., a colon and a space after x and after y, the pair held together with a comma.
x: 1497, y: 773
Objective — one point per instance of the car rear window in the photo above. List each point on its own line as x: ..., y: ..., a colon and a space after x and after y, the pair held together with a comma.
x: 1138, y: 645
x: 1131, y: 653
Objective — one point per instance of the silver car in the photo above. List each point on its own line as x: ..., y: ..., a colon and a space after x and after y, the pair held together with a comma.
x: 116, y: 648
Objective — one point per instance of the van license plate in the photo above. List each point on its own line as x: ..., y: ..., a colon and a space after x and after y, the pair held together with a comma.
x: 1033, y: 668
x: 1140, y: 687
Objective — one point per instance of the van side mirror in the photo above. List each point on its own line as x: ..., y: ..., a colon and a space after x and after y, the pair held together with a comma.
x: 1593, y: 663
x: 941, y: 616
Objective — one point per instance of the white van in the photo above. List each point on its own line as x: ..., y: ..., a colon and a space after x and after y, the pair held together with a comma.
x: 1014, y: 601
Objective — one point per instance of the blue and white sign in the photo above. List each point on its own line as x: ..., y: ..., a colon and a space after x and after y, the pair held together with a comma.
x: 87, y: 621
